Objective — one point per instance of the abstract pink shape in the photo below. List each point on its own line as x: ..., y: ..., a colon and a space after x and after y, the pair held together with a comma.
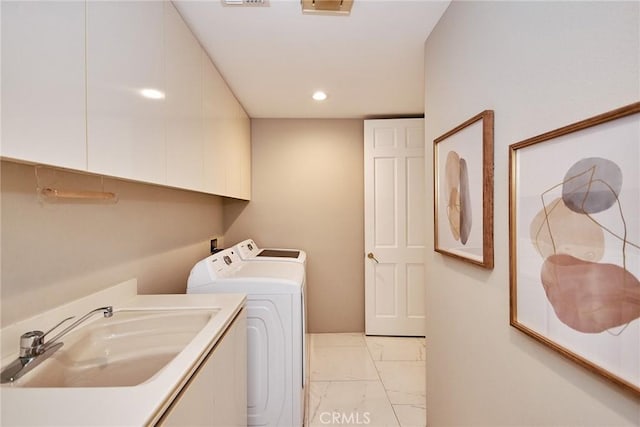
x: 590, y: 297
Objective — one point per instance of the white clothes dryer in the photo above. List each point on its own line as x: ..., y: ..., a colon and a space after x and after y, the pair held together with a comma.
x: 276, y: 327
x: 249, y: 251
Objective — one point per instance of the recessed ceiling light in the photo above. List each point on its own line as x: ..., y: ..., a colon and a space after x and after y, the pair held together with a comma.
x: 152, y: 93
x: 319, y: 95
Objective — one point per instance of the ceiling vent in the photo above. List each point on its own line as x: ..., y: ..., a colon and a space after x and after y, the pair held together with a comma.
x: 262, y: 3
x: 327, y: 7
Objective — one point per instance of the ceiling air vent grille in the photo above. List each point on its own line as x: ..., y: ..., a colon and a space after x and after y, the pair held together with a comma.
x: 262, y: 3
x: 327, y: 7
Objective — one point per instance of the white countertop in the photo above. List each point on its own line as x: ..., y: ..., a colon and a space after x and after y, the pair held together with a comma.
x: 113, y: 406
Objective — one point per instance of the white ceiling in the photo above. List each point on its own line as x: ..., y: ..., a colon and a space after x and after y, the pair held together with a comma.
x: 370, y: 63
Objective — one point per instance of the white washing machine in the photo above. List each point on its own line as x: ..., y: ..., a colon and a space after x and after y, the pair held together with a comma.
x: 276, y: 343
x: 249, y: 251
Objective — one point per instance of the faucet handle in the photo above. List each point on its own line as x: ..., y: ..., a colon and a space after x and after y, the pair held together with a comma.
x: 61, y: 322
x: 30, y: 342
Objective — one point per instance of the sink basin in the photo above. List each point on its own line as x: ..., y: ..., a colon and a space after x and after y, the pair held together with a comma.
x: 125, y: 350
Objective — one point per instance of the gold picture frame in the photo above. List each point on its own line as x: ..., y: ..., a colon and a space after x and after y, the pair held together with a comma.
x: 574, y: 229
x: 463, y: 191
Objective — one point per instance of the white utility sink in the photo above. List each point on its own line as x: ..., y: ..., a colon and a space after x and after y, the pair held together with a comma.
x: 126, y: 349
x: 122, y: 370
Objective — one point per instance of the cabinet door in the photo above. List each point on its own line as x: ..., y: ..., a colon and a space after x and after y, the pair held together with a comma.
x: 184, y: 123
x: 238, y: 153
x: 43, y: 83
x: 243, y: 130
x: 214, y: 86
x: 227, y: 139
x: 125, y: 55
x: 216, y: 395
x: 246, y: 159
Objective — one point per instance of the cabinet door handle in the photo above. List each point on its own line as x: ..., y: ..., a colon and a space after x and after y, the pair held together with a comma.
x: 370, y: 255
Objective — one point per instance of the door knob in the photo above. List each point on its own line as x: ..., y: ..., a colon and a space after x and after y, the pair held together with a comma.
x: 370, y: 255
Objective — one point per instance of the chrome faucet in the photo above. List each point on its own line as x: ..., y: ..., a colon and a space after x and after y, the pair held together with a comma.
x: 34, y: 350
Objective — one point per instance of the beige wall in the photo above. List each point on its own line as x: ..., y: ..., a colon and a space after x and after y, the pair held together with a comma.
x: 54, y: 252
x: 539, y: 65
x: 308, y: 193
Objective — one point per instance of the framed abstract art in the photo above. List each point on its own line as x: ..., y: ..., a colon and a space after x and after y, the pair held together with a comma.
x: 463, y: 181
x: 575, y: 242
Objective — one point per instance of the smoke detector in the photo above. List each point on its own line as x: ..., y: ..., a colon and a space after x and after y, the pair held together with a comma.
x: 327, y: 7
x: 262, y: 3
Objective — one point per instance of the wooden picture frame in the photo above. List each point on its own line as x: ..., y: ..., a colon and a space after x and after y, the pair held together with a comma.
x: 575, y: 242
x: 463, y: 191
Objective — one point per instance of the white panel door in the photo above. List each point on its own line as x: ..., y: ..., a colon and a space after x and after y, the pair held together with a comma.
x: 394, y: 227
x: 43, y: 84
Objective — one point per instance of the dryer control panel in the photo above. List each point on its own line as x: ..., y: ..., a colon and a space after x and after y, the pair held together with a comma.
x: 247, y: 249
x: 216, y: 266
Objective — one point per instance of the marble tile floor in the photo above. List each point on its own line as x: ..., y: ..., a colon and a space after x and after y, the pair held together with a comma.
x: 360, y: 380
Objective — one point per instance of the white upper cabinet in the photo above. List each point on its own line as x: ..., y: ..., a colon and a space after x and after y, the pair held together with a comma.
x: 43, y: 83
x: 125, y: 56
x: 215, y: 180
x: 239, y: 154
x: 120, y: 88
x: 184, y: 103
x: 227, y: 143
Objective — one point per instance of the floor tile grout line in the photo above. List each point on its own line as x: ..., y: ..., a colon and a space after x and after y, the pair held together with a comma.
x: 381, y: 382
x: 369, y: 351
x: 313, y: 347
x: 393, y: 405
x: 361, y: 345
